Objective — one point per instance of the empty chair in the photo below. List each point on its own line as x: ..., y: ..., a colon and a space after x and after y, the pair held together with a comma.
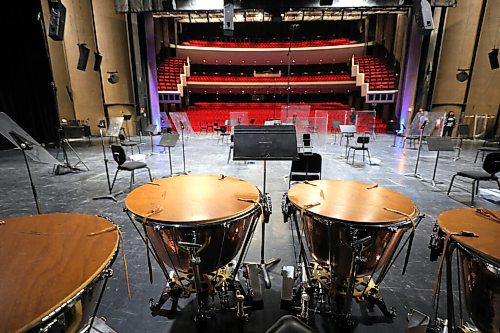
x: 216, y: 128
x: 307, y: 167
x: 335, y: 129
x: 121, y: 158
x: 306, y: 143
x: 223, y: 133
x: 203, y: 127
x: 363, y: 140
x: 487, y: 148
x: 491, y: 166
x: 129, y: 143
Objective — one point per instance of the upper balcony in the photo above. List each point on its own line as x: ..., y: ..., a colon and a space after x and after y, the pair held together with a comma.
x: 271, y: 53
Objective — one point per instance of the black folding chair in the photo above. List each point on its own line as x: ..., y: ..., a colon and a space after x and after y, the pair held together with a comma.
x: 121, y: 158
x: 491, y: 166
x: 363, y: 140
x: 307, y: 167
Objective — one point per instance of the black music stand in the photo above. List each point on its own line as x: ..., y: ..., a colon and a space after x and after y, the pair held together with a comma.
x: 110, y: 195
x: 438, y: 144
x: 151, y: 129
x: 394, y: 128
x: 265, y: 143
x: 29, y: 147
x: 24, y: 145
x: 169, y: 140
x: 184, y: 172
x: 463, y: 132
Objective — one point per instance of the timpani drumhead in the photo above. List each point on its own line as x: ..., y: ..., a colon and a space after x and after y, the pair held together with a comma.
x: 193, y: 199
x: 466, y: 219
x: 45, y: 260
x: 352, y: 201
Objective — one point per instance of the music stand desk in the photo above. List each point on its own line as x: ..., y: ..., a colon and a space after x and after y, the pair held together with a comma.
x: 347, y: 131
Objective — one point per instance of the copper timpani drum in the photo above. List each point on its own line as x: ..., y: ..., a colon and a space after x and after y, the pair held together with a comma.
x: 52, y: 269
x: 340, y: 210
x: 480, y: 263
x: 352, y: 230
x: 212, y: 211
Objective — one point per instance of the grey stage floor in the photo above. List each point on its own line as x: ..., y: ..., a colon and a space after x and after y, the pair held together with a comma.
x: 74, y: 192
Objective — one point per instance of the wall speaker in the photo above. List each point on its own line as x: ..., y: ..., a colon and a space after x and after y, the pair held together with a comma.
x: 493, y: 55
x: 113, y: 77
x: 84, y: 56
x: 462, y: 76
x: 423, y: 16
x: 228, y: 19
x: 57, y: 19
x: 97, y: 61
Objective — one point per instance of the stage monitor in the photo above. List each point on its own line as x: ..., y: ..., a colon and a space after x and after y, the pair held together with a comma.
x: 265, y: 143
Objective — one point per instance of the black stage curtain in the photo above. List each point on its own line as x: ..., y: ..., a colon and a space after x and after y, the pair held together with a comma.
x: 25, y: 78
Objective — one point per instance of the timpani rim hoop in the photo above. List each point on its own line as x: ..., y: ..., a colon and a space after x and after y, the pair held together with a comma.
x: 206, y: 199
x: 51, y: 313
x: 353, y: 203
x: 466, y: 219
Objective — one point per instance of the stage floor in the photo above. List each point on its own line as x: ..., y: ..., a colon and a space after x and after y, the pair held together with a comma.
x: 73, y: 193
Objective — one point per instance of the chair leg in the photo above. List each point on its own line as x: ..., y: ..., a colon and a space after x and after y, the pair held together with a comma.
x: 369, y: 157
x: 229, y: 155
x: 363, y: 156
x: 353, y: 155
x: 477, y: 154
x: 473, y: 193
x: 149, y: 171
x: 131, y: 179
x: 482, y: 157
x: 114, y: 178
x: 477, y: 187
x: 498, y: 183
x: 451, y: 184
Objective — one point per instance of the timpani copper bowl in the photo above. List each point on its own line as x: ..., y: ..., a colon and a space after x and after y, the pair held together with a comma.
x: 337, y: 213
x: 52, y: 268
x: 213, y: 211
x: 480, y: 263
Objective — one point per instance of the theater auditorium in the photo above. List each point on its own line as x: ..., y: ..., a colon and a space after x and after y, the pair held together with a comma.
x: 250, y: 166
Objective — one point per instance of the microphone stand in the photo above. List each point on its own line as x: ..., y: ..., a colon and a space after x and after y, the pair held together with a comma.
x: 415, y: 174
x: 25, y: 146
x: 110, y: 195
